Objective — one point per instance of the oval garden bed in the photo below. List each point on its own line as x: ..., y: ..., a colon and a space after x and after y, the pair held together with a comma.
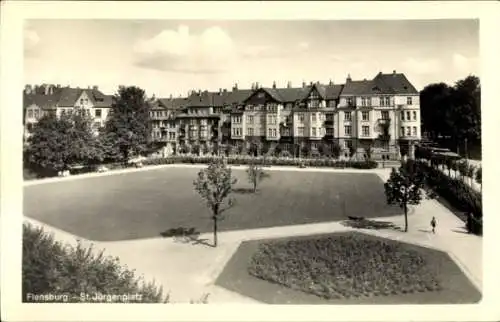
x: 345, y: 268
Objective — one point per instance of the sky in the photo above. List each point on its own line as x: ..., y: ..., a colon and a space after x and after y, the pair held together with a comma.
x: 171, y: 57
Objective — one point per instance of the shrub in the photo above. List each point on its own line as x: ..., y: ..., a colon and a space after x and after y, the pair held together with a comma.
x: 50, y: 267
x: 455, y: 191
x: 479, y: 175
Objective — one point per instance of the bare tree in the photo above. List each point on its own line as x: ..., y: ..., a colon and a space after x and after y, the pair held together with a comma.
x: 214, y: 184
x: 256, y: 174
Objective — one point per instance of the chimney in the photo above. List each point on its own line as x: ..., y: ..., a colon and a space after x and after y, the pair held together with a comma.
x: 289, y: 84
x: 331, y: 82
x: 348, y: 78
x: 225, y: 90
x: 27, y: 89
x: 95, y: 87
x: 170, y: 97
x: 220, y: 90
x: 274, y: 84
x: 47, y: 89
x: 235, y: 87
x: 394, y: 72
x: 311, y: 83
x: 303, y: 84
x: 256, y: 85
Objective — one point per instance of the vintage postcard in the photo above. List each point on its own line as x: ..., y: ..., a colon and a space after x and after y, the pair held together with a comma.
x: 262, y: 161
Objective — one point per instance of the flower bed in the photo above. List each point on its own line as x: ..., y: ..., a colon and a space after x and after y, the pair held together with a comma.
x: 344, y: 266
x: 268, y: 161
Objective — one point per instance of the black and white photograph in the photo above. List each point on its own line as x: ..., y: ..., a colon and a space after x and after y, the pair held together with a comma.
x: 327, y: 162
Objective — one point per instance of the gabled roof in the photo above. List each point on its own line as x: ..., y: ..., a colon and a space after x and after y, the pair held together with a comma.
x: 172, y: 103
x: 292, y: 94
x: 65, y: 97
x: 41, y: 100
x: 363, y: 87
x: 395, y: 83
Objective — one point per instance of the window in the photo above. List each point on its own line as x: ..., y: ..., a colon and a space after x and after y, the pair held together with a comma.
x: 274, y: 133
x: 347, y: 116
x: 402, y: 115
x: 414, y: 115
x: 329, y: 117
x: 249, y: 119
x: 286, y: 131
x: 408, y: 131
x: 402, y: 131
x: 30, y: 113
x: 408, y: 117
x: 365, y: 130
x: 269, y: 132
x: 414, y: 131
x: 98, y: 112
x: 329, y: 131
x: 365, y: 115
x: 237, y: 119
x: 301, y: 117
x: 368, y: 101
x: 363, y: 101
x: 29, y: 127
x: 347, y: 144
x: 350, y: 101
x: 86, y: 101
x: 250, y: 131
x: 385, y: 115
x: 81, y: 101
x: 347, y: 130
x: 387, y: 101
x: 300, y: 131
x: 408, y: 101
x: 313, y: 131
x: 171, y: 135
x: 272, y: 119
x: 314, y: 117
x: 382, y: 101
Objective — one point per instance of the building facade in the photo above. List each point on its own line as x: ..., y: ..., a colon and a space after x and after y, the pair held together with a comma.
x: 39, y: 100
x: 381, y: 115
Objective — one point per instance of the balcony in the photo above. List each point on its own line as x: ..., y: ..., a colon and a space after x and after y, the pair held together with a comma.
x: 384, y: 121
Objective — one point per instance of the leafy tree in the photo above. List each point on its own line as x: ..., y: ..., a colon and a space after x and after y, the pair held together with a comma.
x: 435, y: 105
x: 256, y: 174
x: 214, y: 184
x: 336, y: 150
x: 404, y: 187
x: 58, y: 142
x: 128, y: 127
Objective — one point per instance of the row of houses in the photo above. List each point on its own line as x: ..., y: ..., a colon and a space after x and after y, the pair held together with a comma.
x: 383, y: 113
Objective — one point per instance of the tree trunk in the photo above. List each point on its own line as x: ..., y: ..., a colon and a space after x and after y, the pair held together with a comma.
x: 405, y: 208
x: 215, y: 231
x: 254, y: 186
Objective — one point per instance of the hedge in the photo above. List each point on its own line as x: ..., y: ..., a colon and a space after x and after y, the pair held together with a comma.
x: 267, y: 161
x: 458, y: 194
x: 55, y: 272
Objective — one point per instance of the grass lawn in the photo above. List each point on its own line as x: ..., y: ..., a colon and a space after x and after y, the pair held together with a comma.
x: 145, y: 204
x: 345, y: 268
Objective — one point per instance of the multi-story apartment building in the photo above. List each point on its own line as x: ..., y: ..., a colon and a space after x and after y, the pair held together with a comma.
x: 48, y: 98
x: 383, y: 113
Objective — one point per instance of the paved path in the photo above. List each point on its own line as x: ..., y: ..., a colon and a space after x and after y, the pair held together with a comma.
x: 188, y: 271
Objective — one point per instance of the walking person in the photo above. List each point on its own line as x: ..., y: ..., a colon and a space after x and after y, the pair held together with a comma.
x: 433, y: 225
